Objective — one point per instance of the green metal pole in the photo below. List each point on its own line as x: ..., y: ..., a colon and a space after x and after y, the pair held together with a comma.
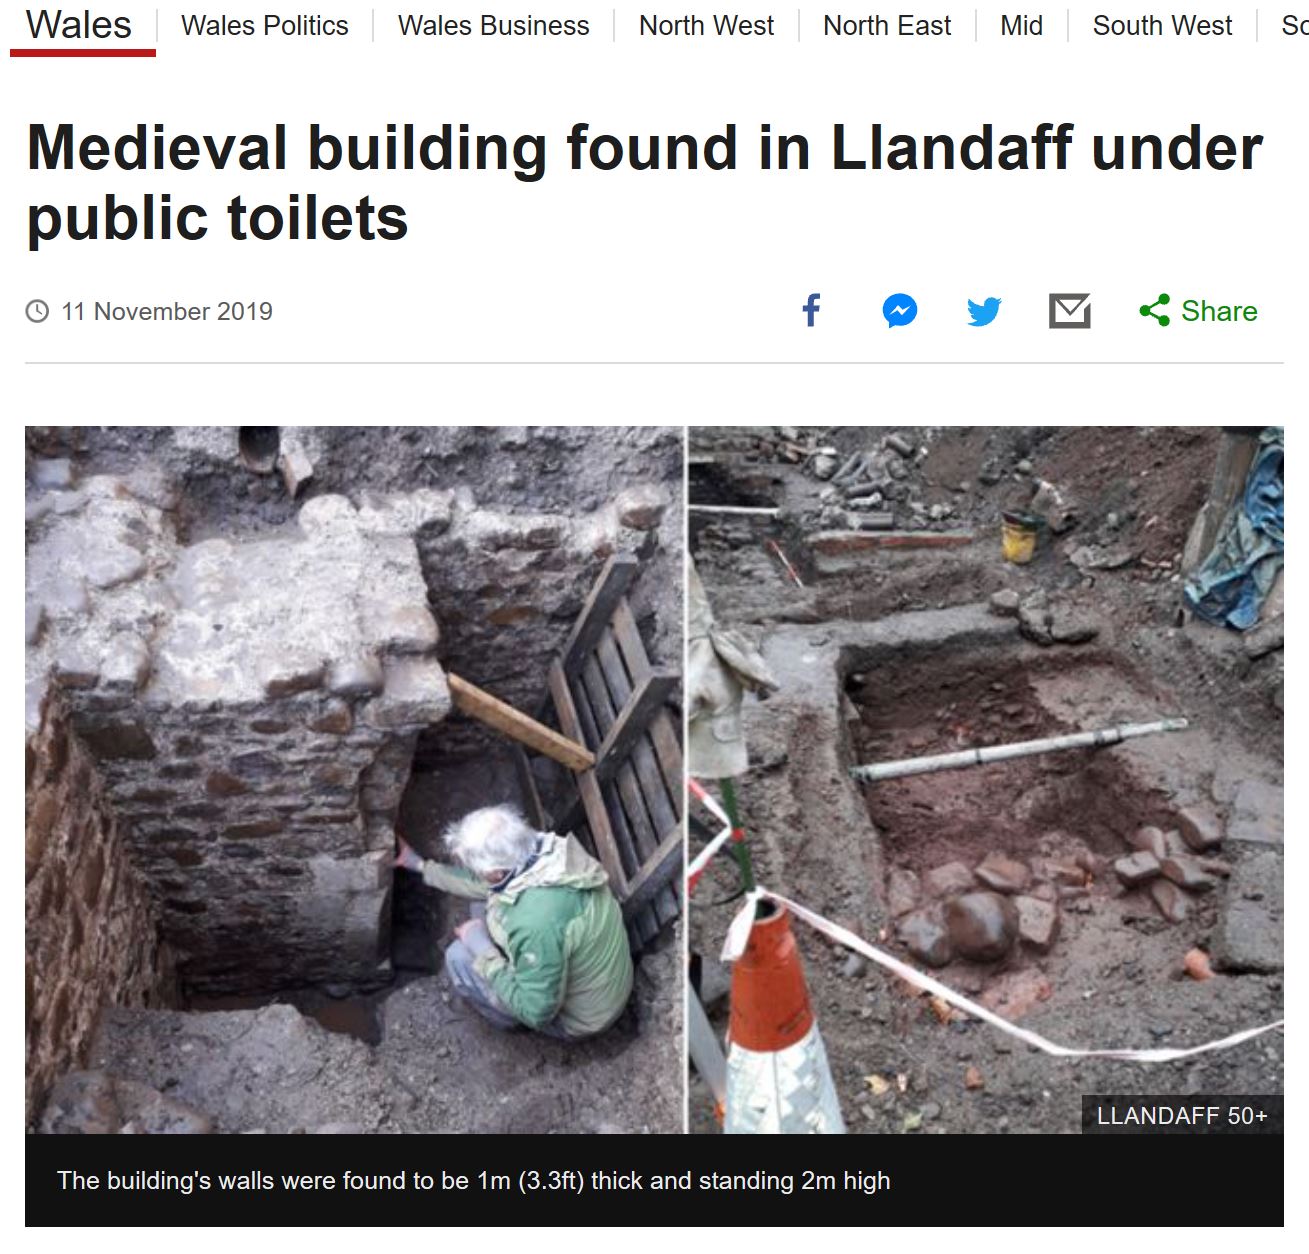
x: 740, y: 850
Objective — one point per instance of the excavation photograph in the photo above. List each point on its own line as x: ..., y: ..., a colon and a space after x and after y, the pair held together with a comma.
x: 354, y: 779
x: 985, y: 734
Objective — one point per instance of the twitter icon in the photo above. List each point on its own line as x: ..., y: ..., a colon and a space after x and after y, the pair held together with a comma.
x: 984, y: 314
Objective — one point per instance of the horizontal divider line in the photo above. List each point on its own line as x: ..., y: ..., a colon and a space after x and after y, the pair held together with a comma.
x: 81, y: 52
x: 751, y: 364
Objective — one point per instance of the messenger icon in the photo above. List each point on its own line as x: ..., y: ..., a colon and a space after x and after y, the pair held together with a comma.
x: 1070, y: 311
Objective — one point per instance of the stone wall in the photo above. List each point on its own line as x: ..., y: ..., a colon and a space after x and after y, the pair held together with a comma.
x: 92, y: 930
x: 252, y: 675
x: 252, y: 706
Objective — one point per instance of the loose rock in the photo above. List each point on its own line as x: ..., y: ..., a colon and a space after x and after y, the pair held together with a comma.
x: 1137, y: 868
x: 925, y: 936
x: 1170, y: 899
x: 982, y: 926
x: 1038, y: 922
x: 947, y: 880
x: 1004, y: 875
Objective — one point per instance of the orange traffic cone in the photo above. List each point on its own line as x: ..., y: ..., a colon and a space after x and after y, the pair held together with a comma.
x: 778, y: 1079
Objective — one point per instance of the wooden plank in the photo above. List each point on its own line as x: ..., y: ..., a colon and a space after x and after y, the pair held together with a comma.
x: 656, y: 873
x: 527, y: 786
x: 645, y: 702
x: 605, y: 594
x: 669, y: 752
x: 476, y: 703
x: 628, y: 639
x: 588, y: 787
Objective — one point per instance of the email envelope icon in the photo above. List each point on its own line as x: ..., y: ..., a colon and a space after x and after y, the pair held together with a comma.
x: 1070, y: 310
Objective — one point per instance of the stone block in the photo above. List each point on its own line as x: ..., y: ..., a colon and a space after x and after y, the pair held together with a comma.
x: 285, y: 674
x: 253, y: 830
x: 1149, y: 840
x: 1250, y: 921
x: 359, y: 676
x: 1003, y: 874
x: 125, y: 665
x: 1201, y: 828
x: 399, y: 627
x: 335, y: 719
x: 415, y: 695
x: 948, y: 880
x: 1256, y: 813
x: 1186, y: 873
x: 1137, y: 868
x: 1173, y: 903
x: 641, y: 507
x: 74, y: 667
x: 1038, y: 922
x: 118, y: 741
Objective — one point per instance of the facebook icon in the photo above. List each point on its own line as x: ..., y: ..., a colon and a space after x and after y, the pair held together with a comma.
x: 810, y: 307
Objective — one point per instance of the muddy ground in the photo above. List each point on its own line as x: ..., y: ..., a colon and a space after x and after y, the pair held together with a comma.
x: 888, y: 655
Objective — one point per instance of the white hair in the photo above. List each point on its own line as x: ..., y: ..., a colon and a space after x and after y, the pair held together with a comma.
x: 495, y: 838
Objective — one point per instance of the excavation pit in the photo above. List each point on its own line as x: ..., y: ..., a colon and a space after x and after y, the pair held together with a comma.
x: 239, y: 690
x: 1042, y: 831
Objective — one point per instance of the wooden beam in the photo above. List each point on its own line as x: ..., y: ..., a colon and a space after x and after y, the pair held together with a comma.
x: 605, y: 594
x: 518, y: 726
x: 588, y: 787
x: 527, y: 786
x: 659, y: 868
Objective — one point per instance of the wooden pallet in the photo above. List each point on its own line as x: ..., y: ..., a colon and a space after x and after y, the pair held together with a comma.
x: 605, y: 695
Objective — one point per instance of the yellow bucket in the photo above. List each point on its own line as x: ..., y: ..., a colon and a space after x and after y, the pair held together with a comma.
x: 1018, y: 534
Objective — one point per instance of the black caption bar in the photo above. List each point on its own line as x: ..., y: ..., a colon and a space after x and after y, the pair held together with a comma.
x: 1198, y: 1113
x: 531, y: 1180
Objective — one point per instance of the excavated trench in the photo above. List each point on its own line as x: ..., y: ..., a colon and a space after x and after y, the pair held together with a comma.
x: 250, y: 798
x: 1045, y: 831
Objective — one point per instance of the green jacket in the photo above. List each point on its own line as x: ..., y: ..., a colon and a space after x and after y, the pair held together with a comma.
x: 562, y: 947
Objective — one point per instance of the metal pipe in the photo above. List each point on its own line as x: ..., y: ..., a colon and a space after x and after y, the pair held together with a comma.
x: 1022, y: 749
x: 746, y: 511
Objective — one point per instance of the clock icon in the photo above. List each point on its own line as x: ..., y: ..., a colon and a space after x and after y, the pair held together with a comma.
x: 37, y: 311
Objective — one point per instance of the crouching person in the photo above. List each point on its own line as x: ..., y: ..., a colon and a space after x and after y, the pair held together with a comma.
x: 545, y: 946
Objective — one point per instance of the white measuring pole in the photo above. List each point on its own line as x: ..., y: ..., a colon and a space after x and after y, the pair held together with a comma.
x: 1023, y: 749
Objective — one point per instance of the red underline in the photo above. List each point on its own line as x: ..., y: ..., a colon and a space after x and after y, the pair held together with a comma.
x: 81, y: 52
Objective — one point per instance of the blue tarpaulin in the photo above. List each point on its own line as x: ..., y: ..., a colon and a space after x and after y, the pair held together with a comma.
x: 1237, y: 576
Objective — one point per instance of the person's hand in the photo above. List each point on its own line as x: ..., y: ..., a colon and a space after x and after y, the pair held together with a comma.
x: 406, y: 858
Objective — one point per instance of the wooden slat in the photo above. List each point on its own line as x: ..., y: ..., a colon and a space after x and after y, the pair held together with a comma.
x: 629, y: 641
x: 669, y: 752
x: 656, y: 873
x: 644, y: 703
x: 588, y: 786
x: 527, y: 787
x: 607, y: 591
x: 481, y: 705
